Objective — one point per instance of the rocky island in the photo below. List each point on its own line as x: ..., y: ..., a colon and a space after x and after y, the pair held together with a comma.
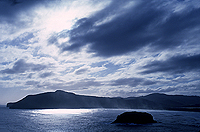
x: 135, y: 117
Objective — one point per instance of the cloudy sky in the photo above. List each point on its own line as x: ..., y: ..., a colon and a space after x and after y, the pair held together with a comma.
x: 104, y: 48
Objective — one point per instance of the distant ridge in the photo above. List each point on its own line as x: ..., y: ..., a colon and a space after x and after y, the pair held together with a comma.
x: 62, y: 99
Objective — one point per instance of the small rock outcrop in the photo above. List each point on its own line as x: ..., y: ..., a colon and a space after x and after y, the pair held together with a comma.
x: 135, y: 117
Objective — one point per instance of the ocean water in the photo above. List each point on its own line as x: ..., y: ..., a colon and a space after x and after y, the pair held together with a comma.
x: 93, y: 120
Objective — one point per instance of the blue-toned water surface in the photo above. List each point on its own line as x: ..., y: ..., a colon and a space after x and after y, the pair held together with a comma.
x: 93, y: 120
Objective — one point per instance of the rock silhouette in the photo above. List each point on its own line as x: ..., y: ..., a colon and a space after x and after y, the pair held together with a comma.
x: 62, y: 99
x: 135, y: 117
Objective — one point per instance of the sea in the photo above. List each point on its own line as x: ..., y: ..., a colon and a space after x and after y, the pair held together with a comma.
x: 94, y: 120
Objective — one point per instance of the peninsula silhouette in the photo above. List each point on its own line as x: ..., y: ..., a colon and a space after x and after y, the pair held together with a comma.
x: 61, y: 99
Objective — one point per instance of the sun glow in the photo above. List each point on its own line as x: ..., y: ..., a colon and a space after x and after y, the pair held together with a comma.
x: 56, y: 18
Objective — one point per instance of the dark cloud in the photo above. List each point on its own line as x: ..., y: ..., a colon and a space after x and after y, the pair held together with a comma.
x: 148, y: 82
x: 5, y: 63
x: 81, y: 71
x: 9, y: 9
x: 134, y: 28
x: 11, y: 12
x: 53, y: 39
x: 85, y: 83
x: 6, y: 78
x: 177, y: 64
x: 132, y: 82
x: 32, y: 83
x: 20, y: 41
x: 30, y: 75
x: 21, y: 66
x: 46, y: 74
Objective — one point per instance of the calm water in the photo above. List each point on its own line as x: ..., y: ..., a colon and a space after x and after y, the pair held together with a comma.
x: 93, y: 120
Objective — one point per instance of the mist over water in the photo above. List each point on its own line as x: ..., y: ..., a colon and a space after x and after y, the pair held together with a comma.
x: 93, y: 120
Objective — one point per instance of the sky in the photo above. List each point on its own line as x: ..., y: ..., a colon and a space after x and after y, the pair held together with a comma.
x: 109, y: 48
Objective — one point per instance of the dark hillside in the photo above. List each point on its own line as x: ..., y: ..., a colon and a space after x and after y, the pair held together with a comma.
x: 62, y: 99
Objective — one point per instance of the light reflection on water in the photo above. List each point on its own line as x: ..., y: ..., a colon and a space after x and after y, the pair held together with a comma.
x: 63, y: 111
x: 93, y: 120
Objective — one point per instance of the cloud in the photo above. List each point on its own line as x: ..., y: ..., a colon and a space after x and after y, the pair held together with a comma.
x: 109, y: 47
x: 177, y: 64
x: 6, y: 78
x: 142, y: 92
x: 78, y: 85
x: 127, y: 30
x: 21, y: 66
x: 32, y: 83
x: 85, y: 83
x: 107, y: 68
x: 25, y: 16
x: 132, y: 82
x: 21, y: 41
x: 30, y: 75
x: 15, y: 17
x: 46, y: 74
x: 9, y: 10
x: 81, y: 71
x: 159, y: 90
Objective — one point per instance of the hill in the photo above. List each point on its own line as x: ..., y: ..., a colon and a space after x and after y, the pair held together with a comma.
x: 62, y: 99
